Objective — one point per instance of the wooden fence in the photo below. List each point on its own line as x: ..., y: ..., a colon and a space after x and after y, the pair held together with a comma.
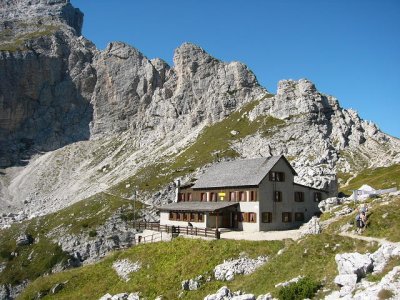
x: 176, y: 230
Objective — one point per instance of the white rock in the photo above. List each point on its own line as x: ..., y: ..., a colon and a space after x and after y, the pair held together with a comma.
x: 347, y: 282
x: 106, y: 297
x: 244, y: 297
x: 244, y: 265
x: 354, y: 263
x: 125, y: 267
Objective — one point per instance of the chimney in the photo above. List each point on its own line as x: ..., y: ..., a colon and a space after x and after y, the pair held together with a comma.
x: 177, y: 190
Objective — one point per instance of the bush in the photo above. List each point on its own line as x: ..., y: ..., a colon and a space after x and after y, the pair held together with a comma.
x: 92, y: 233
x: 385, y: 294
x: 304, y: 288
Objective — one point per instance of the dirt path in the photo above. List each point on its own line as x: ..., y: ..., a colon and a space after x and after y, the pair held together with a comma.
x: 364, y: 238
x: 262, y: 235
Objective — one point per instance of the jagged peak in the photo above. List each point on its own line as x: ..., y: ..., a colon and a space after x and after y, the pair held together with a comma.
x: 123, y: 50
x: 189, y: 53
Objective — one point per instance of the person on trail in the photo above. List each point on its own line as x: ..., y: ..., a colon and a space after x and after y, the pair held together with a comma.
x: 361, y: 219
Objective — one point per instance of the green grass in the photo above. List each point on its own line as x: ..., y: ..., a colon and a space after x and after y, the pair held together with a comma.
x: 40, y: 257
x: 385, y: 227
x: 165, y: 265
x: 383, y: 220
x: 213, y: 143
x: 18, y: 42
x: 379, y: 178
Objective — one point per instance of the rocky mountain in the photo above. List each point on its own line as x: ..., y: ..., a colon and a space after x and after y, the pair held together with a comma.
x: 75, y: 121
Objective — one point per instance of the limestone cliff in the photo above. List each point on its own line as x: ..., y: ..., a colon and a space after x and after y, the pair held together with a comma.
x: 103, y: 117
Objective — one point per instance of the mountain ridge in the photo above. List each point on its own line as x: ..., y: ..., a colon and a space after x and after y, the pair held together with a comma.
x: 123, y: 114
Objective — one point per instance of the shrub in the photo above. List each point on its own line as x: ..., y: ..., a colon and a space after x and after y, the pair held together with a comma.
x: 92, y: 233
x: 385, y: 294
x: 304, y: 288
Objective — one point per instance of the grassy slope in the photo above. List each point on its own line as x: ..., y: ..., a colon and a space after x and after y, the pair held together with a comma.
x: 165, y: 265
x: 83, y: 216
x: 213, y: 143
x: 383, y: 219
x: 379, y: 178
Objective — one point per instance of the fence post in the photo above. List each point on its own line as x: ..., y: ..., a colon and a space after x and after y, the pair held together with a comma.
x: 217, y: 234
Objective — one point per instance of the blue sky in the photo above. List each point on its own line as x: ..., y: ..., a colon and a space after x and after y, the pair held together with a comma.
x: 349, y: 48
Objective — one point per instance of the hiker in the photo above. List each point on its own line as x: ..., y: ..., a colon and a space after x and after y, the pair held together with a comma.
x: 190, y: 225
x: 361, y: 220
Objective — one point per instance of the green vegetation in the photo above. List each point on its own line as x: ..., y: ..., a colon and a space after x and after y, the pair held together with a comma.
x: 17, y: 43
x: 305, y: 288
x: 214, y: 143
x: 383, y: 220
x: 38, y: 258
x: 165, y: 265
x: 379, y: 178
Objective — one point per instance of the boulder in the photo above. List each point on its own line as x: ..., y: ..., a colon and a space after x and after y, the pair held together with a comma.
x: 244, y: 265
x: 381, y: 256
x: 244, y: 297
x: 311, y: 227
x: 223, y: 293
x: 347, y: 283
x: 354, y: 263
x: 265, y: 297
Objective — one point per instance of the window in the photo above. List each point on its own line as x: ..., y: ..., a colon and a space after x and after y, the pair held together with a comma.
x: 242, y: 196
x: 213, y: 197
x: 299, y: 196
x: 203, y: 197
x: 299, y: 216
x: 232, y: 196
x: 171, y: 216
x: 191, y: 217
x: 178, y: 216
x: 247, y: 217
x: 277, y: 196
x: 181, y: 197
x: 266, y: 217
x: 252, y: 217
x: 185, y: 217
x: 276, y: 176
x: 317, y: 197
x: 286, y: 217
x: 253, y: 196
x: 189, y: 197
x: 200, y: 218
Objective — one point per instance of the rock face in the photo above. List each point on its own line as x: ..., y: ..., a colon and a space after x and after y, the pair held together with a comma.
x: 46, y: 81
x: 110, y: 113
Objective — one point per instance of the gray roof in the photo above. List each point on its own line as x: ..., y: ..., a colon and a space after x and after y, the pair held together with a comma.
x: 197, y: 206
x: 247, y: 172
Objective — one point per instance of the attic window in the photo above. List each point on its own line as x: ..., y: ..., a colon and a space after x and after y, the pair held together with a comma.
x: 276, y: 176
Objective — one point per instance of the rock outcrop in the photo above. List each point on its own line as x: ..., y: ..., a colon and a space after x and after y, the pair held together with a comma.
x: 46, y: 78
x: 111, y: 113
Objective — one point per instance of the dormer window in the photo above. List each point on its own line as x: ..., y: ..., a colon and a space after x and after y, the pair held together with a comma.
x: 276, y: 176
